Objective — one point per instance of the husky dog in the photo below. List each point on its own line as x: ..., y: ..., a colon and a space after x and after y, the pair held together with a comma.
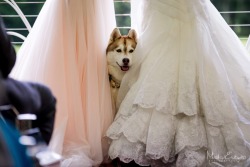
x: 119, y: 53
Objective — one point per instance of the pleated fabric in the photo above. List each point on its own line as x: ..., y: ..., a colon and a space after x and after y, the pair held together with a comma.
x: 186, y: 100
x: 66, y: 51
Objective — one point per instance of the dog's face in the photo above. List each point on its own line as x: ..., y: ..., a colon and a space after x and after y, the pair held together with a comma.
x: 120, y: 50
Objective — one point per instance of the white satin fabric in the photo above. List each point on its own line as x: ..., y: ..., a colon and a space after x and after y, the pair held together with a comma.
x: 187, y: 98
x: 66, y: 51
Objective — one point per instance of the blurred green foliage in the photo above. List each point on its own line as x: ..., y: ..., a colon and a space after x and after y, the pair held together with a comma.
x: 122, y: 21
x: 235, y: 18
x: 16, y: 22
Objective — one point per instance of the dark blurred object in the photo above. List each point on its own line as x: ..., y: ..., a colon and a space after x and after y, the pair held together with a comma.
x: 36, y: 146
x: 30, y: 108
x: 12, y: 152
x: 24, y: 121
x: 31, y: 140
x: 32, y: 98
x: 7, y: 52
x: 5, y: 158
x: 26, y: 97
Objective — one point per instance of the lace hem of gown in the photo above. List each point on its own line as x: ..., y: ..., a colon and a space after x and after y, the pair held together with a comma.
x: 150, y: 137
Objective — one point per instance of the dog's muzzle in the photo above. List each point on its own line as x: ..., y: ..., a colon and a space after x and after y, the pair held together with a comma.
x: 125, y: 66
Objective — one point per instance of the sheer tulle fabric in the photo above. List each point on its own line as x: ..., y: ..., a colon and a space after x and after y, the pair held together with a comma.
x: 189, y: 91
x: 66, y: 51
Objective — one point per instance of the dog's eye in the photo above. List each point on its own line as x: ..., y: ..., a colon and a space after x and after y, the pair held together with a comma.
x: 131, y: 51
x: 119, y: 50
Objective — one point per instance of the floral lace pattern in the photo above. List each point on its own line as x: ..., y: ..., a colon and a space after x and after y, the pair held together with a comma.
x: 186, y: 101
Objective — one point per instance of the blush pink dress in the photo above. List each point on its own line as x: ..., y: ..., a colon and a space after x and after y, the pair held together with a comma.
x: 66, y: 51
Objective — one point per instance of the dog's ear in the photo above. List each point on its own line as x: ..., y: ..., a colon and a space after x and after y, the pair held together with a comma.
x: 132, y: 34
x: 114, y: 35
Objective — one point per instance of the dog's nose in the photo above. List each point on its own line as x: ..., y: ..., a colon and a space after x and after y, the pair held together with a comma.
x: 125, y: 60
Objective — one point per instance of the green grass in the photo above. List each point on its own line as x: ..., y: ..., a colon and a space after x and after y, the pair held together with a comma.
x: 17, y: 47
x: 244, y: 41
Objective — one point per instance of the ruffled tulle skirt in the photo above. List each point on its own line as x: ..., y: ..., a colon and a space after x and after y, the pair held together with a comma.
x: 186, y: 101
x: 66, y: 51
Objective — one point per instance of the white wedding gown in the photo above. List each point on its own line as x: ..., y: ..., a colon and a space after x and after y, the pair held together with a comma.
x: 186, y: 101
